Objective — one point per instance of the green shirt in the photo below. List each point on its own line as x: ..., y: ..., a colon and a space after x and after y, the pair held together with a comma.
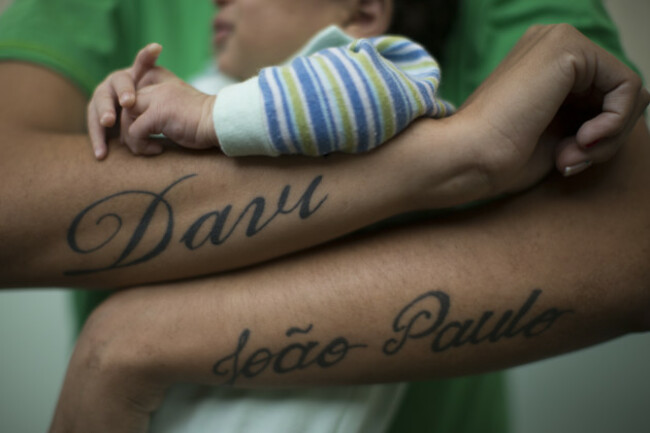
x: 86, y: 39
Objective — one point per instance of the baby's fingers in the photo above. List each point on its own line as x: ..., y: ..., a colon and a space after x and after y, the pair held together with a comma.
x: 139, y: 143
x: 145, y: 60
x: 123, y: 88
x: 97, y: 133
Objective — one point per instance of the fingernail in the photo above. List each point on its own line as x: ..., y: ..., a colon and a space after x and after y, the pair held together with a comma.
x: 590, y: 145
x: 575, y: 169
x: 125, y: 97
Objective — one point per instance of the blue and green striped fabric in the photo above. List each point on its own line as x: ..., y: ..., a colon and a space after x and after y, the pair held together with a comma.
x: 351, y: 98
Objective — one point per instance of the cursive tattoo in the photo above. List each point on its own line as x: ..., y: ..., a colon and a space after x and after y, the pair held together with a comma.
x: 218, y: 223
x: 292, y: 357
x: 426, y: 316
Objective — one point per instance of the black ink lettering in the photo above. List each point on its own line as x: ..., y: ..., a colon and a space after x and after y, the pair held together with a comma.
x: 301, y: 352
x: 157, y: 200
x: 261, y: 358
x: 295, y: 330
x: 216, y: 234
x: 210, y: 227
x: 241, y: 343
x: 474, y: 336
x: 337, y: 350
x: 305, y: 201
x: 512, y: 331
x: 495, y: 335
x: 457, y: 337
x: 544, y: 322
x: 458, y: 333
x: 393, y: 345
x: 293, y: 357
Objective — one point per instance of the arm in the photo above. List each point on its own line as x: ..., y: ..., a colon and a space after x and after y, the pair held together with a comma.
x: 127, y: 221
x: 580, y: 279
x: 56, y: 190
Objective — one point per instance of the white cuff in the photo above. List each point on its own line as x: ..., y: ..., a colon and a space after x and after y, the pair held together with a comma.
x: 239, y: 121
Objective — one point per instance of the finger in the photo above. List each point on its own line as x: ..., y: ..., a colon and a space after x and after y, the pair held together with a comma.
x: 610, y: 143
x: 145, y: 60
x: 97, y: 134
x: 144, y: 146
x: 142, y: 102
x: 645, y: 98
x: 123, y: 88
x: 150, y: 147
x: 621, y: 89
x: 137, y: 139
x: 145, y: 126
x: 125, y: 122
x: 572, y: 159
x: 104, y: 101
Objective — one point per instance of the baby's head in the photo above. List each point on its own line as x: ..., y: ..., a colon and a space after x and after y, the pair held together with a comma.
x: 252, y: 34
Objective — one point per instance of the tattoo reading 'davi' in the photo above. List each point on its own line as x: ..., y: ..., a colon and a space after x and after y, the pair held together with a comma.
x: 296, y: 355
x: 426, y: 316
x: 157, y: 224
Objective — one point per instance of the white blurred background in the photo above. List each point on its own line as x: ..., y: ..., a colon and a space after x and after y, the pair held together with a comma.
x: 598, y: 390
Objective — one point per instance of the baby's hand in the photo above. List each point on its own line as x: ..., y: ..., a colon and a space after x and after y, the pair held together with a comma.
x: 117, y: 91
x: 150, y: 100
x: 170, y: 107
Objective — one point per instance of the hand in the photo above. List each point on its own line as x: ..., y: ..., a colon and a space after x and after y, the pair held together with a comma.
x: 116, y: 92
x: 107, y: 388
x: 558, y: 98
x: 150, y: 100
x: 167, y: 105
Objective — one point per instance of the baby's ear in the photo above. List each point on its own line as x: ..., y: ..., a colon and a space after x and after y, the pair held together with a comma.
x: 370, y: 18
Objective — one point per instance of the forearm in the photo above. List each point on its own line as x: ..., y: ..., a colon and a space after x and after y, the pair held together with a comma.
x: 494, y: 291
x: 77, y: 222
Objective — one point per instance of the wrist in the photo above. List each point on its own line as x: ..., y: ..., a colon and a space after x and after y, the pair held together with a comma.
x: 449, y: 163
x: 207, y: 132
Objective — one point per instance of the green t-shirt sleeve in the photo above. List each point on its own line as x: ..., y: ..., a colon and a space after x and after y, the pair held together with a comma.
x: 85, y: 40
x: 80, y: 39
x: 486, y: 31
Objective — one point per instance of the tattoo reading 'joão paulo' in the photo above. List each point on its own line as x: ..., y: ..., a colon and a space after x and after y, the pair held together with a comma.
x: 425, y: 316
x: 157, y: 222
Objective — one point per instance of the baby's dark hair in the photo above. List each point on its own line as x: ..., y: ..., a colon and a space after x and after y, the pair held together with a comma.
x: 427, y: 22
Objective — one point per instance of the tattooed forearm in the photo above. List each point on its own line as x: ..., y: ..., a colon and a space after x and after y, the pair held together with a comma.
x: 158, y: 226
x: 425, y: 316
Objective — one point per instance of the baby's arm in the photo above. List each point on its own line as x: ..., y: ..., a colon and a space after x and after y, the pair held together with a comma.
x: 151, y: 100
x: 346, y: 99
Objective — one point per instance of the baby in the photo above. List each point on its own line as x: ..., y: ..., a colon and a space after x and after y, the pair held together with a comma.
x: 347, y: 90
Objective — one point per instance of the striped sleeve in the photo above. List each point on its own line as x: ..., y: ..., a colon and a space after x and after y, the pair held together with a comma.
x: 349, y: 99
